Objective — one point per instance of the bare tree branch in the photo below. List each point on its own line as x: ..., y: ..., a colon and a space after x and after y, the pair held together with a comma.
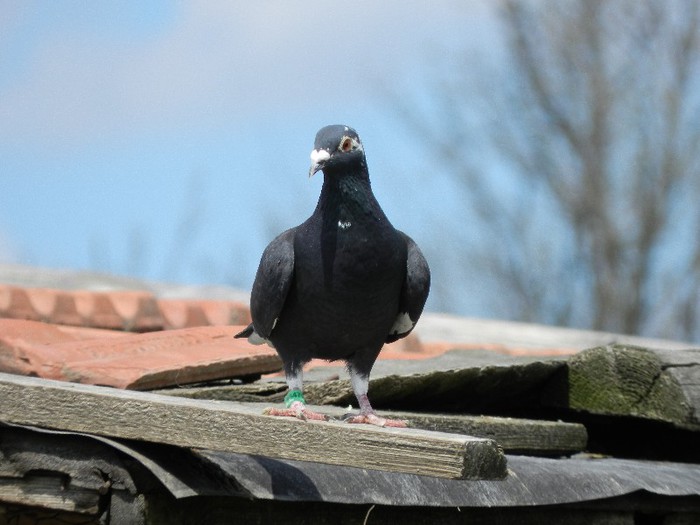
x: 596, y: 125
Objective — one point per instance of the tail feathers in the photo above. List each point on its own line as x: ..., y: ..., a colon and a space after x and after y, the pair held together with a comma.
x: 246, y: 332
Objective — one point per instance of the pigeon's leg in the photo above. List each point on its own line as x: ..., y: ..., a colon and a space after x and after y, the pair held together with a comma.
x: 294, y: 400
x: 360, y: 385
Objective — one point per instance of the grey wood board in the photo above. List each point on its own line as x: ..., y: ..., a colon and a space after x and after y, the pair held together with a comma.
x: 462, y: 378
x: 58, y: 472
x: 532, y: 436
x: 175, y: 467
x: 531, y: 481
x: 684, y: 367
x: 456, y: 381
x: 234, y: 427
x: 455, y: 359
x: 48, y: 491
x: 623, y: 380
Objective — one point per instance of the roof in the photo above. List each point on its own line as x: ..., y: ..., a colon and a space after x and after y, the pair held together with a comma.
x: 531, y: 480
x: 568, y: 406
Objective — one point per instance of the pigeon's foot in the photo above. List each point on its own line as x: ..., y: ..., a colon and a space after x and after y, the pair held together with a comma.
x: 296, y: 409
x: 374, y: 419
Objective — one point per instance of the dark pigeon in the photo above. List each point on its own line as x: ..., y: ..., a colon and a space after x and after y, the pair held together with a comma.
x: 341, y: 284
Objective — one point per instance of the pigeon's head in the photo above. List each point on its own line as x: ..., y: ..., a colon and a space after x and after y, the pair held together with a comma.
x: 335, y: 147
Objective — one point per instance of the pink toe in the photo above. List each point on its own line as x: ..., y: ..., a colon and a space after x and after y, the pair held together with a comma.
x: 373, y: 419
x: 299, y: 412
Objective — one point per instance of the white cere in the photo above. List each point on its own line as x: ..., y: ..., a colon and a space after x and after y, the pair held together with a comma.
x: 319, y: 155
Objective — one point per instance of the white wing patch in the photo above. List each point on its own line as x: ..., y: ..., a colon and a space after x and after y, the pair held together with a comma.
x: 256, y: 339
x: 344, y: 225
x: 402, y: 324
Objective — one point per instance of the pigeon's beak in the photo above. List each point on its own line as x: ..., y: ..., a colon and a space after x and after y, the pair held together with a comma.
x: 319, y: 157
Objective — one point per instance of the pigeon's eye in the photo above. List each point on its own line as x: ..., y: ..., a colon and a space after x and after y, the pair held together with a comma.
x: 345, y: 144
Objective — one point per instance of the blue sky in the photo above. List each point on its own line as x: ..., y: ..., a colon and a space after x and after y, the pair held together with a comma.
x: 171, y: 140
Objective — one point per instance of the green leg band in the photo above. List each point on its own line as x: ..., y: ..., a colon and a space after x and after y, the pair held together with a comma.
x: 292, y: 396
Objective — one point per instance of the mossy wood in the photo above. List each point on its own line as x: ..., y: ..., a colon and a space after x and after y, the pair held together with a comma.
x: 620, y: 380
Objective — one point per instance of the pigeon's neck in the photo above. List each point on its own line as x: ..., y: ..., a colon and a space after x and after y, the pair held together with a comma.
x: 348, y: 196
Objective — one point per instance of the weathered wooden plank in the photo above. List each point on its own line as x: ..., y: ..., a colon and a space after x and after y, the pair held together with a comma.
x: 22, y: 515
x: 228, y: 426
x: 270, y: 392
x: 453, y: 382
x: 684, y: 368
x: 621, y: 380
x: 532, y: 482
x: 459, y: 381
x: 49, y: 492
x: 258, y: 512
x: 514, y: 435
x: 62, y: 473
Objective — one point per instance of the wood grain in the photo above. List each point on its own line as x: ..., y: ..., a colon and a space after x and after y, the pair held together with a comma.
x: 622, y: 380
x: 228, y: 426
x: 514, y: 435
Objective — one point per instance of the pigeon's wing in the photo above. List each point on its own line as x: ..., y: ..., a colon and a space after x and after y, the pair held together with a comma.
x: 272, y: 283
x: 413, y: 293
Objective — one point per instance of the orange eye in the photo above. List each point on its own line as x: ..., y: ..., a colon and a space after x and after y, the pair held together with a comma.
x: 346, y: 145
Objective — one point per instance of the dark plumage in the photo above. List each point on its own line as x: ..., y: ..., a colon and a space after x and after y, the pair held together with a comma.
x: 341, y: 284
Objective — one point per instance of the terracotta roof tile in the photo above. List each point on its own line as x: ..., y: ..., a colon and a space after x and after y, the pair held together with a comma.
x: 80, y: 332
x: 15, y: 303
x: 137, y: 361
x: 134, y: 311
x: 85, y: 337
x: 181, y: 313
x: 119, y: 310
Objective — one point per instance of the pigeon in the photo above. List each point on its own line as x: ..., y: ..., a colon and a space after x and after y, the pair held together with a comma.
x: 341, y: 284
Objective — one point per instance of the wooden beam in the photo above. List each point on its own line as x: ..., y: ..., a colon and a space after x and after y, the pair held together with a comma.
x: 514, y: 435
x: 233, y: 427
x: 48, y: 491
x: 630, y: 381
x: 65, y: 473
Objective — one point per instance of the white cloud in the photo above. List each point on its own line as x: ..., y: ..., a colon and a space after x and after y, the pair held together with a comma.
x: 215, y: 63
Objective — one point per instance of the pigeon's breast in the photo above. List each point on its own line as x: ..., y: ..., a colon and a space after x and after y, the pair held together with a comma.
x: 346, y: 288
x: 357, y: 258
